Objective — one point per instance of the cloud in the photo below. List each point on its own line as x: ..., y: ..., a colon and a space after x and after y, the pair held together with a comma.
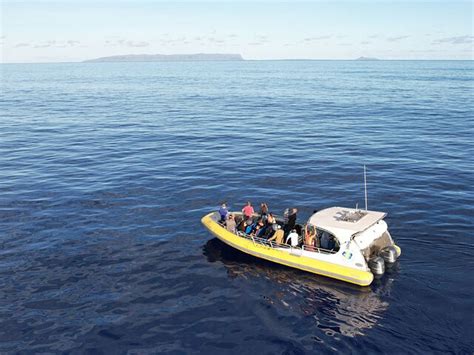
x: 215, y: 40
x: 19, y: 45
x: 126, y: 43
x: 425, y: 51
x: 259, y: 40
x: 55, y: 44
x: 317, y: 38
x: 398, y: 38
x: 455, y: 40
x: 180, y: 40
x: 73, y: 43
x: 137, y: 44
x: 45, y: 44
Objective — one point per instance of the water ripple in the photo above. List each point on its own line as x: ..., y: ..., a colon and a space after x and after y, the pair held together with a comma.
x: 106, y: 170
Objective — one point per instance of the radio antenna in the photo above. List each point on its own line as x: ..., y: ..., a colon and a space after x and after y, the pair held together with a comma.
x: 365, y: 187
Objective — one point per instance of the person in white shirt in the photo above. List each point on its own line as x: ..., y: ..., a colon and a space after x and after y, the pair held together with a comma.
x: 293, y: 238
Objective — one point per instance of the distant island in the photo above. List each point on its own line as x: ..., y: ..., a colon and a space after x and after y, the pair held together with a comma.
x: 167, y: 58
x: 367, y: 58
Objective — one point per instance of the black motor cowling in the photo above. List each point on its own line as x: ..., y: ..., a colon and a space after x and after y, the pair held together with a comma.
x: 377, y: 265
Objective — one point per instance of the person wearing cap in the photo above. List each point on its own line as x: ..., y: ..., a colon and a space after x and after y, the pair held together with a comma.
x: 278, y: 235
x: 293, y: 237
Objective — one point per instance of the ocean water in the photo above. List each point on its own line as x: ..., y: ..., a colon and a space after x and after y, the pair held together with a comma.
x: 107, y: 168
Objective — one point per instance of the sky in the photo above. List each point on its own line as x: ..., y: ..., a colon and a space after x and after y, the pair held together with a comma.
x: 72, y: 30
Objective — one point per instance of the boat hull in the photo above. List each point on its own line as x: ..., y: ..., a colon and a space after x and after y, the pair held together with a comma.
x: 294, y: 260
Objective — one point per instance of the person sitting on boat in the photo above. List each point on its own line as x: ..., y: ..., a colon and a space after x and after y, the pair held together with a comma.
x: 250, y: 226
x: 327, y: 241
x: 242, y: 225
x: 293, y: 237
x: 270, y: 219
x: 270, y: 227
x: 269, y: 231
x: 263, y: 211
x: 278, y: 235
x: 223, y: 212
x: 248, y: 210
x: 256, y: 230
x: 230, y: 224
x: 262, y: 227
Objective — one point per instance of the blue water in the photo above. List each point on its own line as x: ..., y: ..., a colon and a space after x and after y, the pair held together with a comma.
x: 106, y: 170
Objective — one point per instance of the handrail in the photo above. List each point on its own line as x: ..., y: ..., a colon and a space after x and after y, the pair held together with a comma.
x: 274, y: 245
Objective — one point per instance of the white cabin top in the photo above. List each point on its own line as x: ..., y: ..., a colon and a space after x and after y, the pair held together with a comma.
x: 345, y: 222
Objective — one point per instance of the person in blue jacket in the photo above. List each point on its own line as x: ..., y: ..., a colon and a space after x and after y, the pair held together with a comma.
x: 223, y: 211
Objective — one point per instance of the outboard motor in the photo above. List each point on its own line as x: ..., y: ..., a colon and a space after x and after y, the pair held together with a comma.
x: 389, y: 254
x: 377, y: 265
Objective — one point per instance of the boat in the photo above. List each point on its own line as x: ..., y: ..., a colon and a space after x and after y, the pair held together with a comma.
x: 352, y: 245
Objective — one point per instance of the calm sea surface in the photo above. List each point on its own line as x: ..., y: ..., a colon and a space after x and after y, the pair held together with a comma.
x: 106, y: 170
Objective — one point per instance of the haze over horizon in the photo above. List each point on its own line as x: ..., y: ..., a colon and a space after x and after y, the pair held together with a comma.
x: 58, y: 31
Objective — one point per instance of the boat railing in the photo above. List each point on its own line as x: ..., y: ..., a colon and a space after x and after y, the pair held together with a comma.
x: 273, y: 244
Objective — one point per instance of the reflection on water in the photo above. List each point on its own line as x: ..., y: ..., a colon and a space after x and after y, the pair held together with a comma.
x: 336, y: 307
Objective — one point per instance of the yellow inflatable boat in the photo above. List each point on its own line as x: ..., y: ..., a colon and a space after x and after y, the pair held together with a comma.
x: 352, y: 245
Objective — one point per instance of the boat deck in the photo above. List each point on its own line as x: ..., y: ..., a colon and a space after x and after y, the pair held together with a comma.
x: 275, y: 245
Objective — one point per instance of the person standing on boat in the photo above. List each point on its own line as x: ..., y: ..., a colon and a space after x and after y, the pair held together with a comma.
x: 310, y: 237
x: 230, y: 224
x: 263, y: 211
x: 291, y: 220
x: 248, y: 210
x: 223, y: 211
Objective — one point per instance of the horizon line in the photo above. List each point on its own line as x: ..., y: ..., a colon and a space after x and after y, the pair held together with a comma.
x: 251, y: 60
